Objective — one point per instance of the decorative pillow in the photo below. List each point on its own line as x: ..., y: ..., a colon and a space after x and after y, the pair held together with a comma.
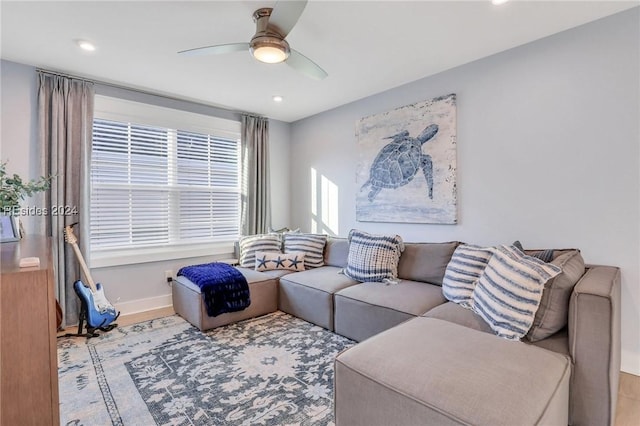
x: 312, y: 245
x: 269, y: 261
x: 553, y: 313
x: 509, y: 290
x: 281, y: 232
x: 252, y: 243
x: 463, y: 271
x: 544, y: 255
x: 373, y: 258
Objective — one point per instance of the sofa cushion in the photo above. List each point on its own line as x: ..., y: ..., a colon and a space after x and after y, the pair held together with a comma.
x: 310, y: 294
x: 460, y: 315
x: 463, y: 271
x: 509, y: 290
x: 253, y: 276
x: 327, y: 279
x: 336, y: 252
x: 373, y: 257
x: 269, y: 261
x: 425, y: 261
x: 553, y: 312
x: 452, y: 312
x: 411, y: 297
x: 558, y: 342
x: 276, y: 273
x: 312, y: 245
x: 248, y: 246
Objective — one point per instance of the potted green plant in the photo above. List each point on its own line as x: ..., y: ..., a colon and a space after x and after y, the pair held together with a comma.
x: 13, y: 190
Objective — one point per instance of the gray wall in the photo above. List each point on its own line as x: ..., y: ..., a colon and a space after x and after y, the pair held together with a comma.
x: 18, y: 145
x: 130, y: 287
x: 548, y: 153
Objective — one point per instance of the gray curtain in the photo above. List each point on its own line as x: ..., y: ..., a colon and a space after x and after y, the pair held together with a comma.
x: 65, y: 112
x: 255, y: 212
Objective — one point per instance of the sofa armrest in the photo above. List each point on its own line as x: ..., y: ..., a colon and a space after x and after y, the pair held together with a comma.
x: 594, y: 345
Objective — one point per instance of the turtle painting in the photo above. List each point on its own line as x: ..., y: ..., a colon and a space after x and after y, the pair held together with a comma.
x: 399, y: 161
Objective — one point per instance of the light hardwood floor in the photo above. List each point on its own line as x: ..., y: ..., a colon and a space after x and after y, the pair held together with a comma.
x: 627, y: 413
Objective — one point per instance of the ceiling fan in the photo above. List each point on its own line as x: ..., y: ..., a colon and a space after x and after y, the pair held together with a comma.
x: 268, y: 43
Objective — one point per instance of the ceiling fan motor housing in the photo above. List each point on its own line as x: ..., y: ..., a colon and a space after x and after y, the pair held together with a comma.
x: 267, y: 40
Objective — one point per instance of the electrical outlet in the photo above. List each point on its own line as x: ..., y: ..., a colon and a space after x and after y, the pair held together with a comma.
x: 168, y: 275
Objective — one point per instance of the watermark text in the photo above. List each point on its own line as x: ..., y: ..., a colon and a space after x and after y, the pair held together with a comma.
x: 61, y: 210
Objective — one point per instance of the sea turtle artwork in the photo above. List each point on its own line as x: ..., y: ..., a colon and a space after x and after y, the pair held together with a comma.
x: 406, y: 164
x: 399, y: 161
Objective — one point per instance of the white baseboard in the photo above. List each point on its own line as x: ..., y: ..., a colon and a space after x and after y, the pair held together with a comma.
x: 142, y: 305
x: 630, y: 362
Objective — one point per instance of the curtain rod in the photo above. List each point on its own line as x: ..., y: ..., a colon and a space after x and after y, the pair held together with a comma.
x: 142, y: 91
x: 40, y: 70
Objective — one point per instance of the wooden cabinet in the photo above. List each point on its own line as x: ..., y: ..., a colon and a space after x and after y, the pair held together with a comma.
x: 28, y: 357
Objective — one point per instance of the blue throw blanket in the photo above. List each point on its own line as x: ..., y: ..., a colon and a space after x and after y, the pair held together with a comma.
x: 223, y: 287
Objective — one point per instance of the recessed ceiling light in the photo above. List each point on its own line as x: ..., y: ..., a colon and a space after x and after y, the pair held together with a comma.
x: 86, y: 45
x: 498, y: 2
x: 277, y: 98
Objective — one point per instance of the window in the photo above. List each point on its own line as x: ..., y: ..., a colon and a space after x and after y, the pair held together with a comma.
x: 157, y: 187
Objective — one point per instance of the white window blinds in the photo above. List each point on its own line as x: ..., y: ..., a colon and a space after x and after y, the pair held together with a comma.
x: 157, y: 186
x: 207, y: 172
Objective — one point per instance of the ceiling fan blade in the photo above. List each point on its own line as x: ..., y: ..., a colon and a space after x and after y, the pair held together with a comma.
x: 216, y: 50
x: 285, y: 14
x: 306, y: 66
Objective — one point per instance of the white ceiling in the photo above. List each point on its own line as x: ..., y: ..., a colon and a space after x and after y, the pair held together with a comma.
x: 365, y: 46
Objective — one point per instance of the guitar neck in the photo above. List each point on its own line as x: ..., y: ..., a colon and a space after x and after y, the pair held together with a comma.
x: 84, y: 267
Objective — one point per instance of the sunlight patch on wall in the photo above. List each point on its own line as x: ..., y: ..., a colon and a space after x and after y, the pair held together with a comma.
x: 314, y: 201
x: 324, y: 204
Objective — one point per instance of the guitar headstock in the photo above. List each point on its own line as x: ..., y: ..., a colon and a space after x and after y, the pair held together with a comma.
x: 69, y: 236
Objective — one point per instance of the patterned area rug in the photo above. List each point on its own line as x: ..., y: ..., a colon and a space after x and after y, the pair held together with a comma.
x: 271, y: 370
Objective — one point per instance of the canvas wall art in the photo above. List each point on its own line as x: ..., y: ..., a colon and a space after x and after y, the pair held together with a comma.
x: 406, y: 170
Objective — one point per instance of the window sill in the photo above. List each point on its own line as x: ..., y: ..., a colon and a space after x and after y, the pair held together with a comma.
x: 105, y: 259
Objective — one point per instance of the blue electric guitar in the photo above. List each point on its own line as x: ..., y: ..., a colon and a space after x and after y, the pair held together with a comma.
x: 98, y: 312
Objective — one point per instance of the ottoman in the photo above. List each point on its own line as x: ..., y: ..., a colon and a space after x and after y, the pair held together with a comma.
x: 189, y: 304
x: 430, y: 371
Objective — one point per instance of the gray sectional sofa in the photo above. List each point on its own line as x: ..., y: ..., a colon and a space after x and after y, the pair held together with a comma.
x: 424, y: 360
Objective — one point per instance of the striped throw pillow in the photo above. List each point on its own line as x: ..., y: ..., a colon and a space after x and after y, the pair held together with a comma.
x: 509, y: 291
x: 312, y: 245
x: 462, y: 273
x: 252, y: 243
x: 373, y: 258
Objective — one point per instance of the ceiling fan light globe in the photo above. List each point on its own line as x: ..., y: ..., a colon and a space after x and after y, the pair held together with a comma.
x: 270, y: 50
x: 269, y: 54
